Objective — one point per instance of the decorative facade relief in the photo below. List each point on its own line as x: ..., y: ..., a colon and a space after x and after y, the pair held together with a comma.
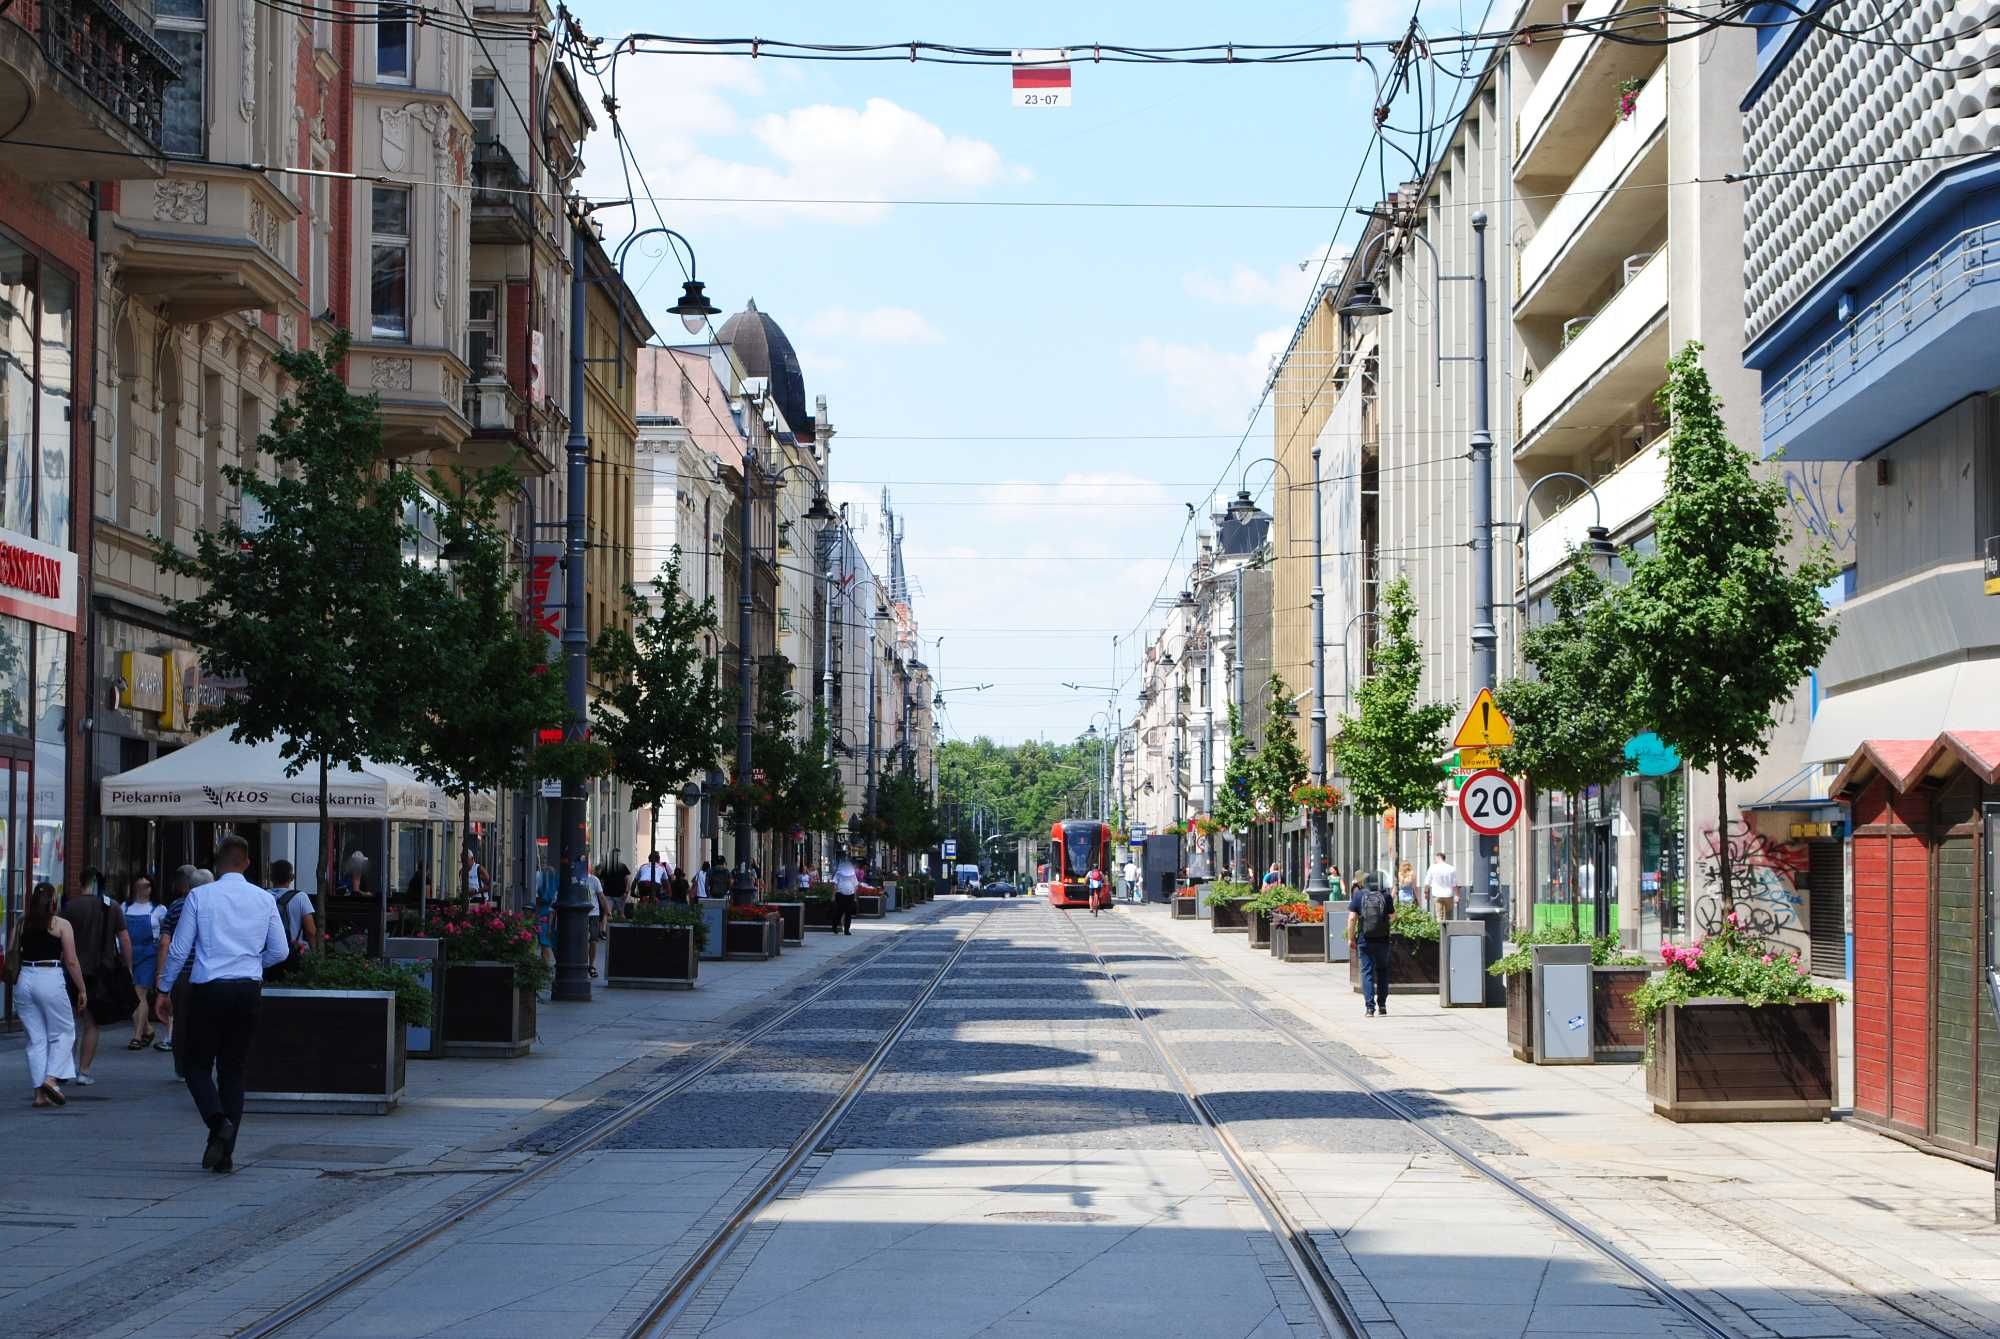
x: 1872, y: 104
x: 180, y: 200
x: 392, y: 374
x: 247, y: 84
x: 264, y: 225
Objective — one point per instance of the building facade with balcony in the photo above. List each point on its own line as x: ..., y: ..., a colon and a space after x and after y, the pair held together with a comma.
x: 1872, y: 227
x: 83, y: 87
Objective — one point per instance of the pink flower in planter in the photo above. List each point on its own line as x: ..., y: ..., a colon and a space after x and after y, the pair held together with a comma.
x: 1767, y: 959
x: 1735, y: 918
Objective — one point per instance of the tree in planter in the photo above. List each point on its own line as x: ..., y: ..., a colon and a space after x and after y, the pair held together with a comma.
x: 1721, y: 626
x: 1236, y: 804
x: 1388, y: 750
x: 663, y: 713
x: 479, y: 730
x: 311, y: 604
x: 1572, y: 718
x: 1280, y: 765
x: 903, y: 806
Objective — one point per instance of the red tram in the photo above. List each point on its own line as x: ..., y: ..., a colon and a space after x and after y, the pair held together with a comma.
x: 1077, y: 846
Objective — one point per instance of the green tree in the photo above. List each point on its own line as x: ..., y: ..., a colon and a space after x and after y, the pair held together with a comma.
x: 1235, y: 805
x: 1280, y: 764
x: 1389, y: 749
x: 313, y: 603
x: 903, y: 804
x: 662, y: 713
x: 1572, y: 717
x: 1722, y: 627
x: 478, y: 731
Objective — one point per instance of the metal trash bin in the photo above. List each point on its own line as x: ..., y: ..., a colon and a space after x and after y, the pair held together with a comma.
x: 1562, y: 1004
x: 427, y: 956
x: 1462, y: 965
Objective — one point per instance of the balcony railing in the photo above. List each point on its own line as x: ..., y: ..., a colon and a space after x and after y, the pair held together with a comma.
x: 1604, y: 339
x: 108, y: 55
x: 498, y: 186
x: 1968, y: 260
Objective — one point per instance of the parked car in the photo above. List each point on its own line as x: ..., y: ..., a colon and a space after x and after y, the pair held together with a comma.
x: 1042, y: 889
x: 1000, y: 889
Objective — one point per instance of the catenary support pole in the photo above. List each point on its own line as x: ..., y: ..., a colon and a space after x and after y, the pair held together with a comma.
x: 572, y: 978
x: 1485, y: 638
x: 1316, y: 817
x: 743, y: 885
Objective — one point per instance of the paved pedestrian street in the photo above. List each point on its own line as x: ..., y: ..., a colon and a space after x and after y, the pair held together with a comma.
x: 1121, y: 1126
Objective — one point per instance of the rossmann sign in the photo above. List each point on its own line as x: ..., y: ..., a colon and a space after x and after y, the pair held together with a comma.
x: 37, y: 582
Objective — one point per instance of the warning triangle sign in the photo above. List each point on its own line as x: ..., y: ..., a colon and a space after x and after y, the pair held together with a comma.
x: 1484, y: 726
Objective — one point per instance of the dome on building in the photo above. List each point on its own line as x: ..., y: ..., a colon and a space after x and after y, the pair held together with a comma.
x: 763, y: 350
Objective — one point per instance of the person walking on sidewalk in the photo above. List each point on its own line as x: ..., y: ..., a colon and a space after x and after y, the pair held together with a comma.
x: 1406, y: 883
x: 593, y: 887
x: 846, y: 896
x: 295, y: 909
x: 186, y: 879
x: 1442, y: 881
x: 1131, y: 882
x: 1368, y: 917
x: 45, y: 945
x: 104, y: 951
x: 231, y: 931
x: 142, y: 923
x: 617, y: 882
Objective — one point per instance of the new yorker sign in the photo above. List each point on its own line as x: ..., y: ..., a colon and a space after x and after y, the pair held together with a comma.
x: 37, y: 582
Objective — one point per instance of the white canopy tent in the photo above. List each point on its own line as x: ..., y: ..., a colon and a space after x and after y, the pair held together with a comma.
x: 219, y: 777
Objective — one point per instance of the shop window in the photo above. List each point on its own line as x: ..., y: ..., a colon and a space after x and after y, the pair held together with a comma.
x: 181, y: 26
x: 389, y: 263
x: 37, y: 387
x: 14, y: 652
x: 57, y: 377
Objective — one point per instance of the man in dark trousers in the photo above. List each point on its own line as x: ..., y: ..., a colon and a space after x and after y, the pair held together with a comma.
x: 616, y: 877
x: 1368, y: 918
x: 232, y: 932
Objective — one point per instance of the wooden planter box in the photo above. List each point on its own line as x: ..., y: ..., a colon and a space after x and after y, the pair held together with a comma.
x: 1720, y: 1059
x: 1616, y: 1034
x: 333, y: 1051
x: 1227, y: 918
x: 1413, y: 966
x: 1521, y: 1016
x: 792, y: 919
x: 1260, y: 929
x: 1187, y: 908
x: 817, y: 915
x: 1299, y: 943
x: 485, y: 1013
x: 652, y: 957
x: 868, y: 907
x: 751, y: 940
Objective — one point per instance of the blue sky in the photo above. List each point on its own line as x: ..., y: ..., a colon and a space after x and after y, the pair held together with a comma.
x: 926, y: 327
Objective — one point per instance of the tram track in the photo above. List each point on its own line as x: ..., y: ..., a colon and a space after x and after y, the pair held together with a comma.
x: 597, y: 1134
x: 1667, y: 1293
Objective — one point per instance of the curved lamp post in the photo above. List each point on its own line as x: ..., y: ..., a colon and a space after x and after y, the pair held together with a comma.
x: 1597, y: 542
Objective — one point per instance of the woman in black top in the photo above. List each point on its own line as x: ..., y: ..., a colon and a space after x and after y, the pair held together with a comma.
x: 48, y: 953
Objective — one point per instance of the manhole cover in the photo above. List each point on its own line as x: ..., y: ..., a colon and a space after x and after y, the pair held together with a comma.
x: 1051, y: 1216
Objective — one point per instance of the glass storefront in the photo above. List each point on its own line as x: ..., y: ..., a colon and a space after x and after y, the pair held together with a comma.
x: 38, y: 310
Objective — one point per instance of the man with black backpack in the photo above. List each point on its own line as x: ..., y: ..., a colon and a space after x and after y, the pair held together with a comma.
x: 295, y: 910
x: 1368, y: 917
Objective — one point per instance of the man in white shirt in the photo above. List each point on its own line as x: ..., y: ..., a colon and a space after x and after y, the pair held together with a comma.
x: 232, y: 931
x: 1131, y: 882
x: 1442, y: 881
x: 846, y: 896
x: 649, y: 881
x: 701, y: 880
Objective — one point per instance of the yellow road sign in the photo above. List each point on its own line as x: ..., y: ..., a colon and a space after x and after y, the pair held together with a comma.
x: 1473, y: 760
x: 1484, y: 726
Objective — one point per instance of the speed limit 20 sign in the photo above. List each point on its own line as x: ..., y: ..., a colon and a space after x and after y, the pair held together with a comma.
x: 1490, y: 802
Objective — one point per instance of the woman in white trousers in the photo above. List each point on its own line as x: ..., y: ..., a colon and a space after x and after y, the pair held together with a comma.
x: 48, y: 953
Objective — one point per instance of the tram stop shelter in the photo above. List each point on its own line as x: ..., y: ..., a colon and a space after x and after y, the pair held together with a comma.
x: 403, y: 826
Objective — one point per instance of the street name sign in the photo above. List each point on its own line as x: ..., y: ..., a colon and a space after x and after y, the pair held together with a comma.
x: 1490, y: 803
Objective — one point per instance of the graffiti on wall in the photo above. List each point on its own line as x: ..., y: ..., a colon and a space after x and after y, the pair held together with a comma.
x: 1764, y: 879
x: 1821, y: 493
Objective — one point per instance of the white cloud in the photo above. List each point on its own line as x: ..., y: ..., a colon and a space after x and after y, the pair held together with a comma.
x: 877, y: 325
x: 1245, y: 287
x: 1219, y: 385
x: 687, y: 126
